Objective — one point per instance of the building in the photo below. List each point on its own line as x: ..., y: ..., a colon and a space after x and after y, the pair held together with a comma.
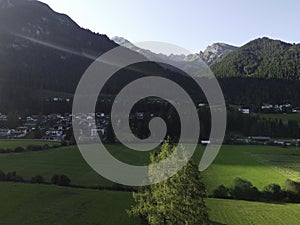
x: 267, y: 106
x: 287, y: 143
x: 20, y: 132
x: 244, y: 110
x: 4, y: 132
x: 205, y: 142
x: 296, y: 110
x: 54, y: 135
x: 97, y: 131
x: 3, y: 117
x: 259, y: 139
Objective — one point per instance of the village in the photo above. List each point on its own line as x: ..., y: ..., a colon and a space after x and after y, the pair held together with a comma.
x: 271, y: 108
x: 58, y: 128
x: 53, y: 127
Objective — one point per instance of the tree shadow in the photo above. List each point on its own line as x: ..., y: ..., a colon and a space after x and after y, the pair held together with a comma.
x: 217, y: 223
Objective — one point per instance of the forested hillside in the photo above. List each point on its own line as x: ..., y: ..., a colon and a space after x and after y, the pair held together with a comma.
x: 262, y: 58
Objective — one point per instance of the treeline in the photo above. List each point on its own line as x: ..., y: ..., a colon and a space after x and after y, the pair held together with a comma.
x: 60, y: 180
x: 254, y: 125
x: 29, y: 148
x: 244, y: 190
x: 249, y: 91
x: 56, y: 179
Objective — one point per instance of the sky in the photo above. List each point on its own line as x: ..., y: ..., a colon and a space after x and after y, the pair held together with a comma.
x: 191, y: 24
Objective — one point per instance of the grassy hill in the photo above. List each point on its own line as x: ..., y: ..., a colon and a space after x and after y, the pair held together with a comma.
x: 48, y: 204
x: 52, y: 205
x: 234, y: 212
x: 247, y: 162
x: 28, y: 204
x: 240, y: 161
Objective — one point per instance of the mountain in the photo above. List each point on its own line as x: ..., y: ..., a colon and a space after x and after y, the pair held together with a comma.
x: 193, y: 63
x: 262, y: 58
x: 43, y: 55
x: 38, y: 43
x: 216, y: 52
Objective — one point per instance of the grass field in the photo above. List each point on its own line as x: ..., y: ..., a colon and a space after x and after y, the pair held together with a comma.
x: 284, y: 161
x: 66, y: 161
x: 44, y: 204
x: 11, y: 144
x: 28, y: 204
x: 233, y: 161
x: 234, y: 212
x: 242, y: 161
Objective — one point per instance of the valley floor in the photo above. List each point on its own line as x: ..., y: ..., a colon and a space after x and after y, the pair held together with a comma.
x: 33, y: 204
x: 29, y: 204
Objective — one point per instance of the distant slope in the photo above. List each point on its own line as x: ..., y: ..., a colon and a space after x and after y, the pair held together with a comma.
x: 193, y: 63
x: 262, y: 58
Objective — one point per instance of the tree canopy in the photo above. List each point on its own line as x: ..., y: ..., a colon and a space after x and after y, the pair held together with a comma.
x: 178, y: 200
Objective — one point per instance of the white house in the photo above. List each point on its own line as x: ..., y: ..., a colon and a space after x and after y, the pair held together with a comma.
x: 244, y: 110
x: 3, y: 117
x: 4, y: 132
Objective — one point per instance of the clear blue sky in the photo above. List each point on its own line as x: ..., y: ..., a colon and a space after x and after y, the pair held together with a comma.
x: 192, y: 24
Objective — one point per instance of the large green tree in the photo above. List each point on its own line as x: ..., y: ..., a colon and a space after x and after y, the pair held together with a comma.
x: 178, y: 200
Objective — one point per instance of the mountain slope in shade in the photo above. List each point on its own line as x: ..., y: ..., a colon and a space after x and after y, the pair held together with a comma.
x: 44, y: 54
x: 33, y: 38
x: 42, y: 50
x: 193, y: 63
x: 262, y: 58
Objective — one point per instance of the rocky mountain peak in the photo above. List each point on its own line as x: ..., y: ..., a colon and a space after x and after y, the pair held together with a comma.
x: 216, y: 52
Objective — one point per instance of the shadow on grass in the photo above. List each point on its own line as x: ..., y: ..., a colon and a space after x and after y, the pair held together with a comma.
x: 217, y: 223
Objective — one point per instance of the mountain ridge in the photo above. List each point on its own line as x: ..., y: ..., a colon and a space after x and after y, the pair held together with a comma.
x: 210, y: 55
x: 262, y: 58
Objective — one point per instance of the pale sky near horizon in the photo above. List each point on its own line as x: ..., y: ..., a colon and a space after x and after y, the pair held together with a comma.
x: 190, y: 24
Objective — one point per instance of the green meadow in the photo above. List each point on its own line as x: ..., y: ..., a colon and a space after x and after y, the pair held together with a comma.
x: 29, y: 204
x: 11, y: 144
x: 235, y: 212
x: 262, y: 165
x: 48, y: 204
x: 245, y: 162
x: 53, y: 205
